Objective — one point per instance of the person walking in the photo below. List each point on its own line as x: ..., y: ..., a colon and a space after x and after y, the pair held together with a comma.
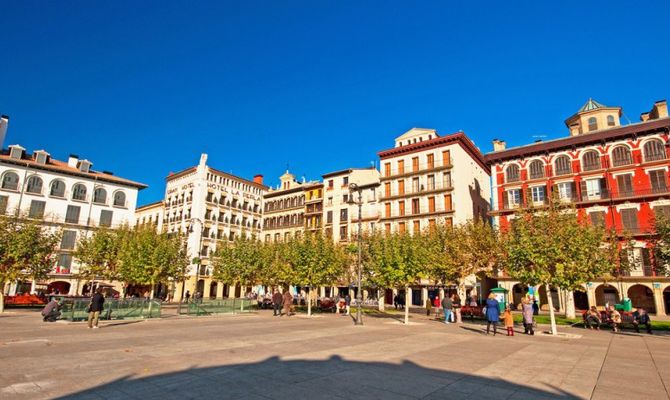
x: 395, y: 301
x: 436, y: 304
x: 288, y: 303
x: 429, y: 306
x: 509, y: 320
x: 95, y: 308
x: 447, y: 305
x: 187, y: 296
x: 492, y: 314
x: 457, y: 308
x: 347, y: 303
x: 277, y: 301
x: 527, y: 312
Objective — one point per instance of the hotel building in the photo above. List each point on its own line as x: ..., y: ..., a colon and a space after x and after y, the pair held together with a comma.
x: 615, y: 175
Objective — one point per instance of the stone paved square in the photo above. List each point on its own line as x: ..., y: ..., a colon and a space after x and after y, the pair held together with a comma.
x: 257, y: 356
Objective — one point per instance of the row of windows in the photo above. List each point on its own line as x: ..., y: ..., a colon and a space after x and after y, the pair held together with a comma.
x: 418, y: 185
x: 652, y: 150
x: 34, y: 185
x: 593, y: 123
x: 417, y: 208
x: 72, y: 215
x: 283, y: 221
x: 281, y: 204
x: 232, y: 183
x: 430, y: 163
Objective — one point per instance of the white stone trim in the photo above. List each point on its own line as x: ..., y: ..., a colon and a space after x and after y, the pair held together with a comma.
x: 626, y: 206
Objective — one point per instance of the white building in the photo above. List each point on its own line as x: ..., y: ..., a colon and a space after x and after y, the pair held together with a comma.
x: 69, y: 195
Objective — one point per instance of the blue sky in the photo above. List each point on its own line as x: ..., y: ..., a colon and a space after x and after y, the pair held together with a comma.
x: 142, y: 88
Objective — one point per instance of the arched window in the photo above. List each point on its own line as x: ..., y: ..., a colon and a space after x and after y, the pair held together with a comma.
x: 610, y: 120
x: 621, y: 156
x: 653, y: 150
x: 512, y: 173
x: 563, y: 165
x: 10, y: 181
x: 57, y: 188
x: 536, y: 169
x: 79, y: 192
x: 100, y: 196
x: 593, y: 124
x: 34, y: 185
x: 120, y: 199
x: 591, y: 161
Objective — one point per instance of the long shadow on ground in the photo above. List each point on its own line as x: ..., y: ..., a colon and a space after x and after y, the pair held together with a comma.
x: 334, y: 378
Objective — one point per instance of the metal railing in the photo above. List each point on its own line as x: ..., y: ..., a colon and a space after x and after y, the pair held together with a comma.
x: 222, y: 306
x: 113, y: 309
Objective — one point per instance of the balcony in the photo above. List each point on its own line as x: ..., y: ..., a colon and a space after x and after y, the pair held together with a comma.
x: 366, y: 216
x: 415, y: 191
x: 418, y: 213
x: 437, y: 165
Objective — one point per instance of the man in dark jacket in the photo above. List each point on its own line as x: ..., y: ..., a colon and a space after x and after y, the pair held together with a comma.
x: 641, y: 317
x: 277, y: 301
x: 96, y: 306
x: 447, y: 306
x: 51, y: 311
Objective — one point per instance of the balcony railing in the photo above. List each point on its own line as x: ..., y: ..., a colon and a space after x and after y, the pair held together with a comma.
x: 420, y: 190
x: 366, y: 216
x: 410, y: 168
x: 421, y: 211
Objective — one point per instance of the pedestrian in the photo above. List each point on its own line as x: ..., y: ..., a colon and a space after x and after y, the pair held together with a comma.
x: 509, y: 320
x: 641, y: 317
x: 94, y: 308
x: 288, y: 303
x: 447, y: 305
x: 592, y: 317
x: 347, y: 303
x: 429, y: 306
x: 615, y: 317
x: 51, y: 311
x: 277, y: 301
x: 395, y: 301
x: 527, y: 312
x: 536, y: 308
x: 187, y: 296
x: 436, y: 304
x: 492, y: 314
x: 457, y: 308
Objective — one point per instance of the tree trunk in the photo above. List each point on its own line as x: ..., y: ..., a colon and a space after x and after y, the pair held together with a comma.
x: 33, y: 284
x: 381, y: 297
x: 406, y: 305
x: 552, y: 315
x: 461, y: 290
x: 570, y: 304
x: 309, y: 302
x: 2, y: 297
x: 151, y: 296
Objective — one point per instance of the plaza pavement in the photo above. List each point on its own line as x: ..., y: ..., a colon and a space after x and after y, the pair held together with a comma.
x: 257, y: 356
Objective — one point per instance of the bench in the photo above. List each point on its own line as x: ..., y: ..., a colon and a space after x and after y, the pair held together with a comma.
x: 626, y: 319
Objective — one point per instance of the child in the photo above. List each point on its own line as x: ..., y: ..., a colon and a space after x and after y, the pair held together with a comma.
x: 429, y: 306
x: 509, y: 321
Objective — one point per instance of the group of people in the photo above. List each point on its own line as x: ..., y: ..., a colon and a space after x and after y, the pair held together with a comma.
x: 492, y: 313
x: 51, y: 311
x: 594, y: 319
x: 450, y: 305
x: 280, y: 301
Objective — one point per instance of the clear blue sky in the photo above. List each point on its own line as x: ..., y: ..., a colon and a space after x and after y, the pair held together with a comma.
x: 142, y: 88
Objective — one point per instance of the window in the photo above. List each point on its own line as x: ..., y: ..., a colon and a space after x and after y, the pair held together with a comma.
x: 662, y: 212
x: 566, y: 190
x: 591, y: 161
x: 72, y: 214
x: 653, y: 150
x: 401, y: 166
x: 401, y: 187
x: 416, y: 228
x: 387, y: 170
x: 3, y: 204
x: 36, y: 209
x: 415, y: 206
x: 68, y: 240
x: 446, y: 158
x: 597, y: 218
x: 629, y: 219
x: 401, y: 208
x: 343, y: 232
x: 536, y: 169
x: 387, y: 228
x: 539, y: 194
x: 331, y: 183
x: 658, y: 181
x: 625, y: 184
x: 610, y: 120
x: 34, y: 185
x: 329, y: 217
x: 513, y: 198
x: 593, y: 189
x: 345, y: 198
x: 512, y: 173
x: 621, y: 156
x: 106, y: 218
x: 447, y: 202
x: 431, y: 204
x: 120, y: 199
x: 593, y: 124
x: 57, y: 189
x: 401, y: 228
x: 10, y: 181
x: 430, y: 161
x: 431, y: 182
x: 344, y: 215
x: 65, y: 262
x: 563, y: 165
x: 79, y: 192
x: 431, y: 224
x: 387, y: 189
x: 415, y: 185
x: 345, y: 181
x: 387, y: 210
x: 415, y: 164
x: 449, y: 222
x: 446, y: 180
x: 100, y: 196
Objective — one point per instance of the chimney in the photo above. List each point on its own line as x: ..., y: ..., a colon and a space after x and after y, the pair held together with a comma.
x: 4, y: 121
x: 258, y: 179
x: 499, y: 145
x: 660, y: 110
x: 73, y: 160
x: 644, y: 117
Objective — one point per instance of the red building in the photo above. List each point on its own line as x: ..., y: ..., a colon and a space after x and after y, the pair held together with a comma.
x: 616, y: 175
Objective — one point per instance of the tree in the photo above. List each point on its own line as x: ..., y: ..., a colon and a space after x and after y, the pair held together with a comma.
x: 98, y: 254
x: 27, y: 250
x: 240, y: 262
x: 661, y: 246
x: 395, y: 260
x: 315, y: 260
x: 554, y: 248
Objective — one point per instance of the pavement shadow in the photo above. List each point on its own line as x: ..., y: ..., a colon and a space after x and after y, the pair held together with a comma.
x: 334, y: 378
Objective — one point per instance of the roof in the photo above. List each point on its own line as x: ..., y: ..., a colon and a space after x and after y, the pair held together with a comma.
x: 571, y: 142
x: 591, y: 105
x: 149, y: 205
x: 62, y: 167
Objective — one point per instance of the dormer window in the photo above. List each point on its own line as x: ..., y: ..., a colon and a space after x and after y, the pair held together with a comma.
x: 610, y: 120
x: 16, y: 152
x: 41, y: 157
x: 84, y: 166
x: 593, y: 124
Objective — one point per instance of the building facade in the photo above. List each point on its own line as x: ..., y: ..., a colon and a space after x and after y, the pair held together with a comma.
x: 615, y: 175
x: 284, y: 209
x: 150, y: 215
x: 66, y: 195
x: 314, y: 207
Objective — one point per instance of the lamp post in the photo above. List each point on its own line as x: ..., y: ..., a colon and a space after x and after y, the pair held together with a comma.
x: 359, y: 296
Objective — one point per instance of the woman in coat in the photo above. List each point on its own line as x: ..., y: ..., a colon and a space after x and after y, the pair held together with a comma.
x: 527, y: 312
x: 492, y: 314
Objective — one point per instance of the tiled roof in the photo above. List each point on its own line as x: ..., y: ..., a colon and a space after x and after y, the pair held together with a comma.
x: 591, y: 105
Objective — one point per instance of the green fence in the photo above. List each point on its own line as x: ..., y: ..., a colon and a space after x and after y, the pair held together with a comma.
x: 223, y: 306
x: 75, y: 309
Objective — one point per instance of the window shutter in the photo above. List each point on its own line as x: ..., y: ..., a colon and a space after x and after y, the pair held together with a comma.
x: 573, y: 190
x: 604, y: 191
x: 582, y: 190
x: 505, y: 201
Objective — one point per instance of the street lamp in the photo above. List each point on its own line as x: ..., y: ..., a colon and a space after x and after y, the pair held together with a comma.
x: 359, y: 298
